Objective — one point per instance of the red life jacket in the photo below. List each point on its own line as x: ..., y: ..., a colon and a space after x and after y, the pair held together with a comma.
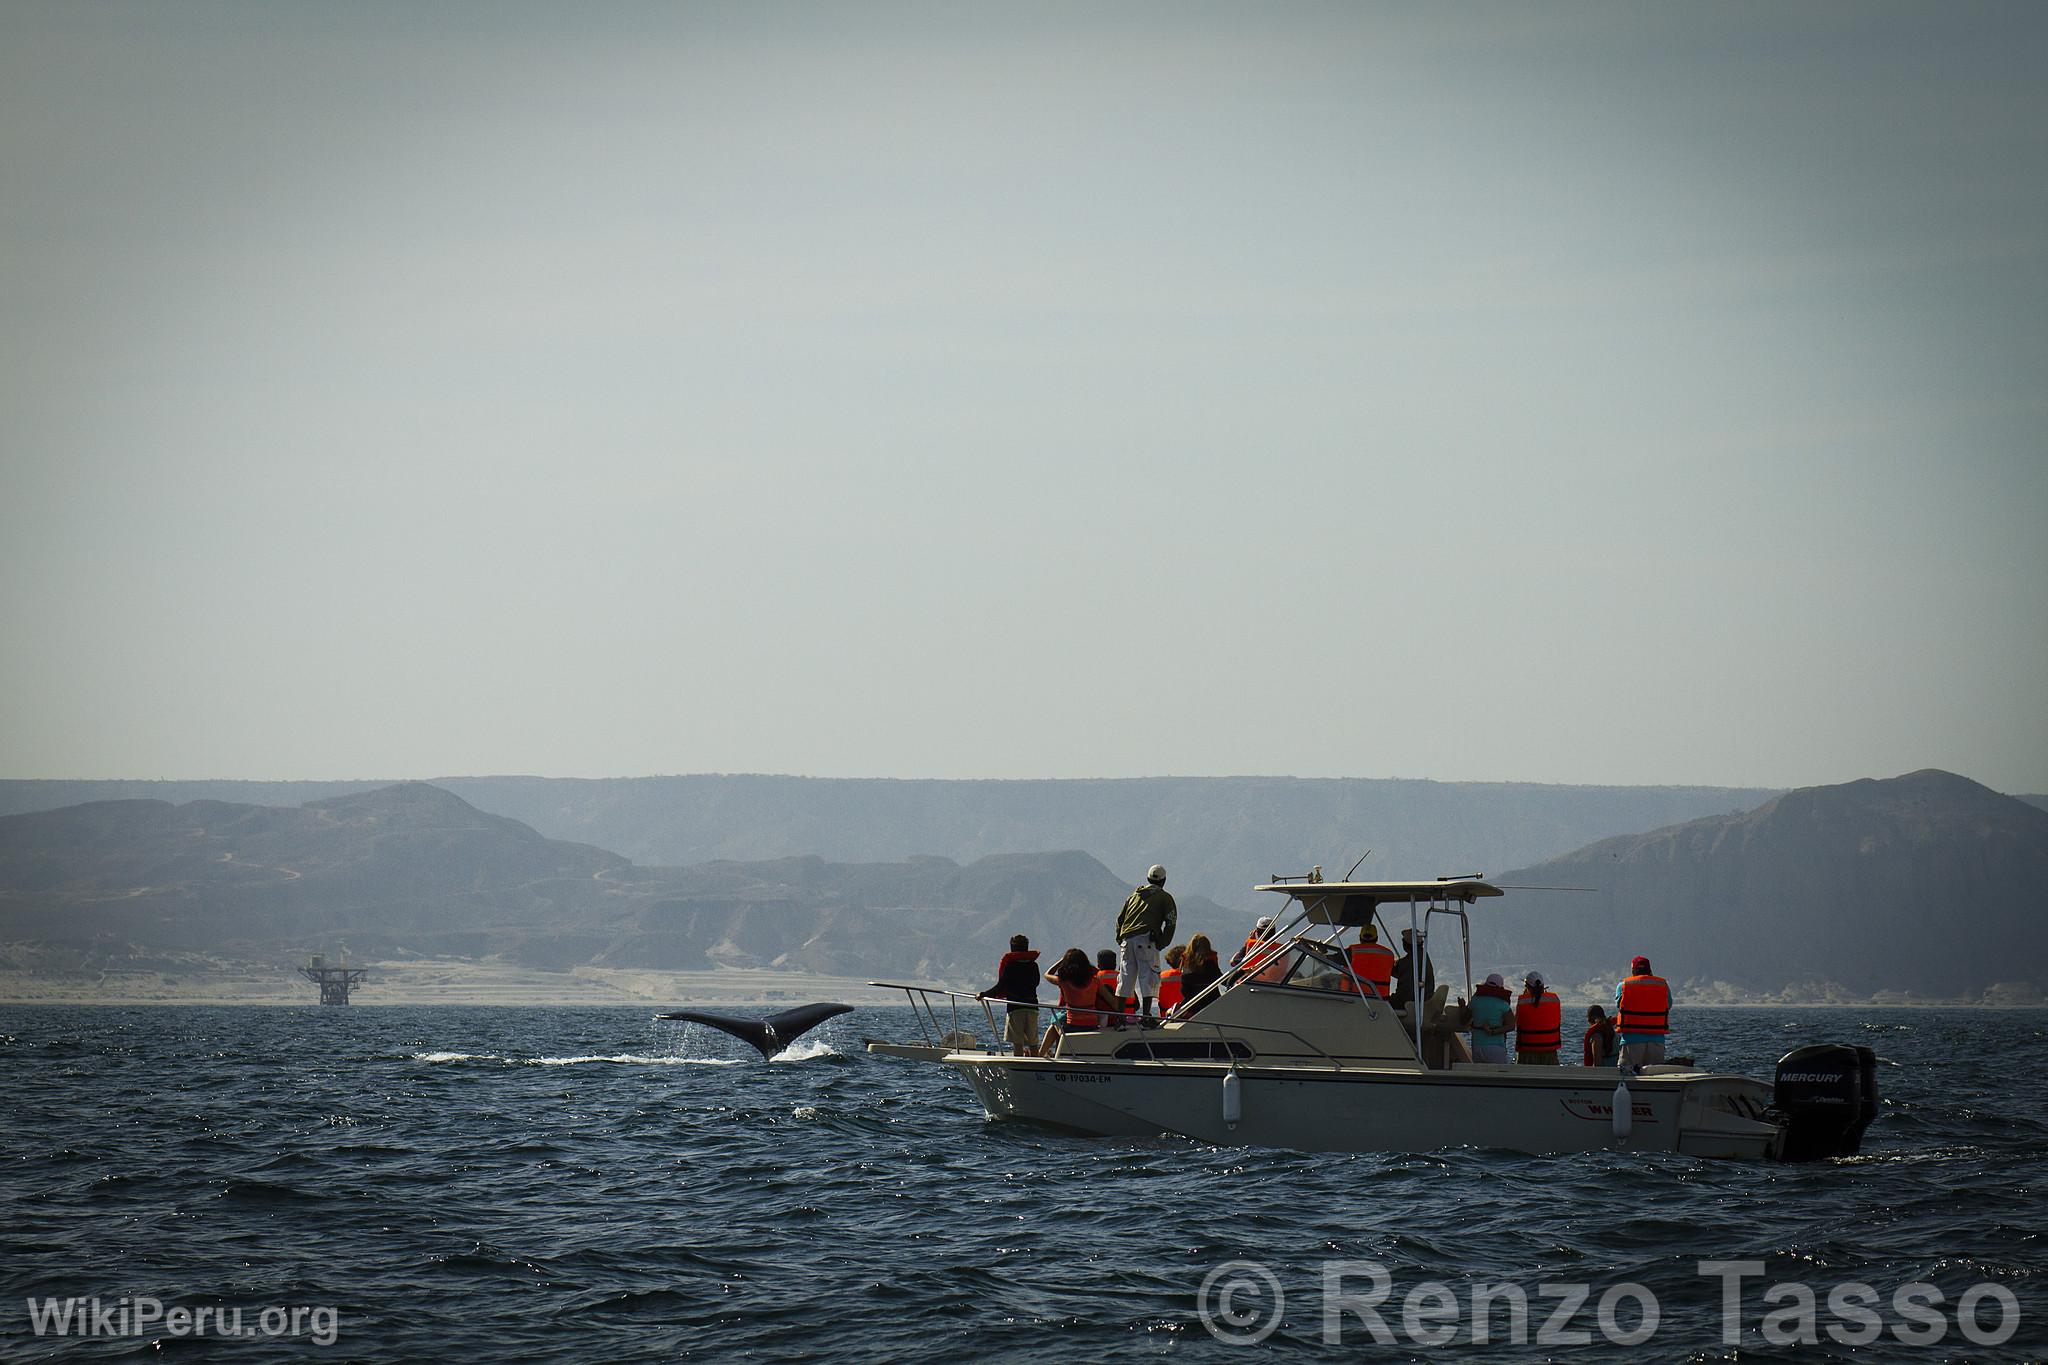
x: 1591, y: 1053
x: 1645, y: 1005
x: 1539, y: 1022
x: 1373, y: 964
x: 1169, y: 990
x: 1073, y: 997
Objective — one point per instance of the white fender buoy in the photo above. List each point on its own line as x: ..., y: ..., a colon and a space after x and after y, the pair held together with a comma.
x: 1233, y: 1098
x: 1624, y: 1110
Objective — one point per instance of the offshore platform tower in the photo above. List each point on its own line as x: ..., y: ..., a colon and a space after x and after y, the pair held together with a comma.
x: 335, y: 982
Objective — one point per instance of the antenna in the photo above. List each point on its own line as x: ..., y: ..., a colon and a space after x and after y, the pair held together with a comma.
x: 1354, y: 867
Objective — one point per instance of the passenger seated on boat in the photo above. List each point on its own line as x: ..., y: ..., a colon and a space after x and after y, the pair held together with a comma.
x: 1169, y: 978
x: 1404, y: 973
x: 1199, y: 971
x: 1106, y: 973
x: 1372, y: 962
x: 1081, y: 998
x: 1257, y: 945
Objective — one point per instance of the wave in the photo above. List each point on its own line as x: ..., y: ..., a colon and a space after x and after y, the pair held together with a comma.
x: 657, y: 1200
x: 634, y: 1059
x: 620, y: 1059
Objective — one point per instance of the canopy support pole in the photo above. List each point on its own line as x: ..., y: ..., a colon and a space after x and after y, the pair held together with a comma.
x: 1418, y: 954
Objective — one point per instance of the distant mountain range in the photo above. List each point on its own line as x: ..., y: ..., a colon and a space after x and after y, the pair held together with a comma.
x: 1927, y: 883
x: 414, y: 871
x: 1218, y: 836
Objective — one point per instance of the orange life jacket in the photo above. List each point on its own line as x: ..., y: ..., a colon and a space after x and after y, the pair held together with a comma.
x: 1258, y: 952
x: 1373, y: 963
x: 1270, y: 963
x: 1169, y: 989
x: 1073, y: 997
x: 1645, y: 1005
x: 1539, y: 1022
x: 1106, y: 978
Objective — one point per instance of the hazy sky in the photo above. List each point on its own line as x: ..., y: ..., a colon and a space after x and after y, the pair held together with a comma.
x: 1631, y: 393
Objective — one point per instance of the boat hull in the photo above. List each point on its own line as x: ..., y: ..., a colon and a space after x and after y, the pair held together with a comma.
x: 1528, y: 1109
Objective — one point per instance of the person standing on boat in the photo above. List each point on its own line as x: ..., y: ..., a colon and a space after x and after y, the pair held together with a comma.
x: 1017, y: 983
x: 1404, y: 974
x: 1642, y: 1016
x: 1493, y: 1013
x: 1143, y: 929
x: 1539, y: 1023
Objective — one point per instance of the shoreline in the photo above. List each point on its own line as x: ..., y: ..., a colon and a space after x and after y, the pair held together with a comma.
x: 443, y: 982
x: 451, y: 981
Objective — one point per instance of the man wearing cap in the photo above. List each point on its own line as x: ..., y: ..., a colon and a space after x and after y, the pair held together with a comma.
x: 1143, y: 928
x: 1261, y: 932
x: 1539, y: 1023
x: 1642, y: 1016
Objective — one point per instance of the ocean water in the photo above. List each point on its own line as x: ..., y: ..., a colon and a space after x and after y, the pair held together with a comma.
x: 593, y: 1185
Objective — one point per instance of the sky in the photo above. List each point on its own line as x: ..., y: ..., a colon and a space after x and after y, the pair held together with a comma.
x: 1580, y: 393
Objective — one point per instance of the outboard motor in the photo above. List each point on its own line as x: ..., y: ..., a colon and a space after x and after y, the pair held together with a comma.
x: 1868, y: 1056
x: 1827, y: 1094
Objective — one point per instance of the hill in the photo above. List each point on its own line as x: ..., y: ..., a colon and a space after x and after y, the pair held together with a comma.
x: 1928, y: 883
x: 414, y: 871
x: 927, y: 917
x: 409, y: 864
x: 1218, y: 835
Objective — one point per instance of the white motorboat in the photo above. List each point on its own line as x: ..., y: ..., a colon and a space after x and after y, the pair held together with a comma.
x: 1298, y: 1052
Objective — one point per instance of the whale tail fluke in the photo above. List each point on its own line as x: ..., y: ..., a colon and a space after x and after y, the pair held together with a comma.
x: 770, y: 1035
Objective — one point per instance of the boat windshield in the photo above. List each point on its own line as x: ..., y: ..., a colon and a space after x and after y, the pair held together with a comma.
x: 1304, y: 965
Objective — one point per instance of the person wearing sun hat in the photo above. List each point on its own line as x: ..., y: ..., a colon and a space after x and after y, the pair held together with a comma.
x: 1493, y: 1014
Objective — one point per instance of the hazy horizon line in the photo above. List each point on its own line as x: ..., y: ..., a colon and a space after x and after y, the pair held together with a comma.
x: 1128, y: 777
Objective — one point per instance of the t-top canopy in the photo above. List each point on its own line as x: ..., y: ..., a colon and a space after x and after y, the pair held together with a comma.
x: 1353, y: 903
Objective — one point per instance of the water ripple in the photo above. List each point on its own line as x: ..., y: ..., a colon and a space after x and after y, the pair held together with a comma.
x: 589, y: 1184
